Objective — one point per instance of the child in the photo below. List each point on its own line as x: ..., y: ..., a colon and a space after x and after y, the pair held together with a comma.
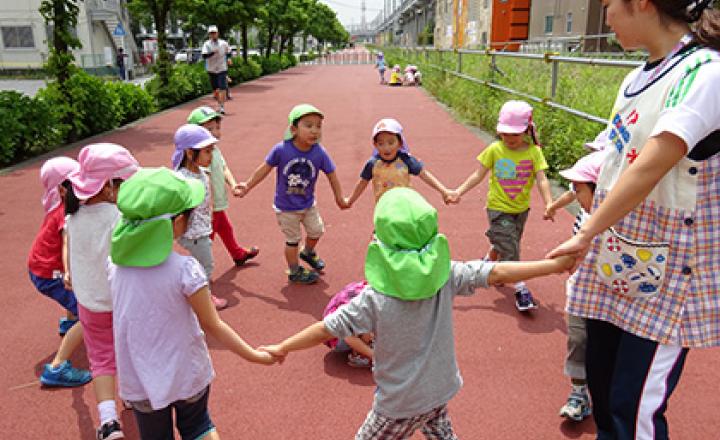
x: 418, y: 76
x: 391, y: 164
x: 395, y: 77
x: 412, y: 286
x: 515, y: 162
x: 103, y: 167
x: 409, y: 76
x: 220, y: 175
x: 583, y: 177
x: 193, y: 152
x: 360, y: 346
x: 298, y: 159
x: 162, y: 307
x: 46, y: 267
x: 647, y: 280
x: 380, y: 66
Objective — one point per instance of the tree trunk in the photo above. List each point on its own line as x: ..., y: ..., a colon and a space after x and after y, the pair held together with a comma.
x: 244, y: 33
x: 281, y: 49
x: 270, y: 38
x: 164, y: 69
x: 304, y: 46
x: 59, y: 43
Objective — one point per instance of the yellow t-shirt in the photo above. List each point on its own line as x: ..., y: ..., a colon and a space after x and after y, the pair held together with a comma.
x: 395, y: 78
x: 512, y: 175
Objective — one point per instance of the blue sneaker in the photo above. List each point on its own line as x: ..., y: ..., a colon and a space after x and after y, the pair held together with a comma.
x: 65, y: 325
x: 65, y: 375
x: 312, y: 259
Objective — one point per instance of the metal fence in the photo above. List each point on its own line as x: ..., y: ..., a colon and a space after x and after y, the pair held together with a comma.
x: 553, y: 59
x: 344, y: 57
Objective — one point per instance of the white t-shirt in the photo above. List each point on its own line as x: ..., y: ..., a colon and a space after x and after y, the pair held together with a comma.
x: 160, y: 349
x: 89, y: 231
x: 218, y: 61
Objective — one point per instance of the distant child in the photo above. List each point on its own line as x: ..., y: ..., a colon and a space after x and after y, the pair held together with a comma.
x: 515, y: 162
x: 392, y: 165
x: 162, y: 307
x: 583, y: 177
x: 409, y: 75
x: 418, y: 76
x: 92, y: 215
x: 380, y: 66
x: 193, y: 153
x: 359, y: 347
x: 46, y: 266
x: 396, y: 79
x: 409, y: 308
x: 220, y: 175
x: 299, y: 158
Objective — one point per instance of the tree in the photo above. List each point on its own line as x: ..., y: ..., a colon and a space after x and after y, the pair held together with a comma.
x: 159, y: 10
x: 62, y: 15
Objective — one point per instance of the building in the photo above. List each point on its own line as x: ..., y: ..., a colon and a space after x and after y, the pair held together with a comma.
x: 405, y: 22
x: 464, y: 23
x: 560, y: 24
x: 103, y: 26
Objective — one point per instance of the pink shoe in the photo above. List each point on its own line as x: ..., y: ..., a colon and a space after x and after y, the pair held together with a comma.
x: 219, y: 303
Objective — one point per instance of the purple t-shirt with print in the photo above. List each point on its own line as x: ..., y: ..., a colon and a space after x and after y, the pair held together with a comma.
x: 297, y: 172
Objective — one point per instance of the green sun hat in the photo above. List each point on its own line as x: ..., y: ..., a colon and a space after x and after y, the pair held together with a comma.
x: 409, y: 259
x: 298, y: 112
x: 202, y: 115
x: 148, y: 200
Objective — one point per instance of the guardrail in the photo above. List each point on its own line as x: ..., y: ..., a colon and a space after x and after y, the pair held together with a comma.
x: 344, y: 57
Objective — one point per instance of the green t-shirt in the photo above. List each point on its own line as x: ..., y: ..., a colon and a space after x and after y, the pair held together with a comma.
x: 512, y: 175
x: 217, y: 181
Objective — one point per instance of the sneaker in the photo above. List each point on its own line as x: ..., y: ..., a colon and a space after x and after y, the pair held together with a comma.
x: 303, y: 276
x: 65, y: 325
x: 110, y: 431
x: 313, y: 260
x: 65, y: 375
x: 524, y: 300
x: 221, y: 110
x: 577, y: 406
x: 219, y: 303
x: 249, y: 255
x: 359, y: 361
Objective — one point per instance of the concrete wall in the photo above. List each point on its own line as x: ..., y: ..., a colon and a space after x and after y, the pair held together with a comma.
x: 558, y: 11
x: 472, y: 30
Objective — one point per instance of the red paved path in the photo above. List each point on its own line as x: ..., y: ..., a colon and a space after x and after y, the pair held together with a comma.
x: 511, y: 363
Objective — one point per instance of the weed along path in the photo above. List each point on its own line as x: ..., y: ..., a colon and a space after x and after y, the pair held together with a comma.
x: 511, y: 363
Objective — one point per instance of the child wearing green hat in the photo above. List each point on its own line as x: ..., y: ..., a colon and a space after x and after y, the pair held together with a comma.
x: 220, y: 175
x: 298, y: 159
x: 408, y: 306
x: 162, y: 307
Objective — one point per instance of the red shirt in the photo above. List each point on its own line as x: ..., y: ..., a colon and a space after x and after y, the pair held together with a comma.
x: 46, y: 252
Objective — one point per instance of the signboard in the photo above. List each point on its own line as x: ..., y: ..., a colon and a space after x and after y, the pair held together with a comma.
x: 119, y: 30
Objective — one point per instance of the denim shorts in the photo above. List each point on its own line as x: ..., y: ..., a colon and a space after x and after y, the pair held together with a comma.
x: 191, y: 418
x: 55, y: 289
x: 218, y: 81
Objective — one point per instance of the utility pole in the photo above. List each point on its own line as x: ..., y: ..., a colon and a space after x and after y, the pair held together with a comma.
x: 363, y: 23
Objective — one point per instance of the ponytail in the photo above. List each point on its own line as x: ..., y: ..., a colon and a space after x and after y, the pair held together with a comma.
x: 72, y: 203
x: 707, y: 29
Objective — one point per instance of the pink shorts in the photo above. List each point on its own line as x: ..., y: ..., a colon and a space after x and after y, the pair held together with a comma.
x: 99, y: 344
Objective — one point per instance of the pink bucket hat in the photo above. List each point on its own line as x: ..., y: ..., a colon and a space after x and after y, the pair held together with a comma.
x: 515, y: 117
x: 586, y: 169
x: 54, y: 172
x: 100, y: 163
x: 600, y: 142
x: 390, y: 125
x: 190, y: 137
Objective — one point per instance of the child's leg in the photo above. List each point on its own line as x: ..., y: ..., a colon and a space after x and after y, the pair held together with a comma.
x: 577, y: 406
x: 222, y: 225
x: 192, y: 418
x: 156, y: 424
x: 289, y: 223
x: 72, y: 340
x: 314, y: 228
x: 439, y: 426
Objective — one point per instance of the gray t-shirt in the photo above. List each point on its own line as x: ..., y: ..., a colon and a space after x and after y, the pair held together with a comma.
x: 415, y: 367
x: 217, y: 62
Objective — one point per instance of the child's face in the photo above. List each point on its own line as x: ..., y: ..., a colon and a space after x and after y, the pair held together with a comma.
x: 513, y: 141
x: 387, y: 145
x: 213, y: 126
x: 624, y: 18
x: 308, y: 130
x: 584, y: 195
x: 204, y: 156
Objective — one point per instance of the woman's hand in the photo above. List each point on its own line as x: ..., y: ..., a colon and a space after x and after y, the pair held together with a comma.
x: 577, y: 247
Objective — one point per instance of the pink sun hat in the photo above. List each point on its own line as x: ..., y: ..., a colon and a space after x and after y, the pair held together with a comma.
x: 54, y: 172
x: 190, y: 137
x: 600, y: 142
x: 100, y: 163
x: 515, y: 117
x: 586, y: 169
x: 390, y: 125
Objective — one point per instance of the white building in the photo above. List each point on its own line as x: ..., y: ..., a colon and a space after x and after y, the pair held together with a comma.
x: 103, y: 26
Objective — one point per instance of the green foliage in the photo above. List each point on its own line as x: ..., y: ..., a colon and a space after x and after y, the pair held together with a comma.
x: 186, y: 82
x: 269, y: 65
x: 241, y: 71
x: 288, y: 61
x: 63, y: 16
x: 133, y: 102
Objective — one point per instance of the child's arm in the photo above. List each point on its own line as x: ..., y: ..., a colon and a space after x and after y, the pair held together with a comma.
x: 230, y: 180
x: 544, y: 188
x: 357, y: 344
x: 311, y: 336
x: 258, y: 175
x: 212, y: 324
x: 357, y: 192
x: 473, y: 180
x: 514, y: 271
x: 565, y: 199
x: 434, y: 183
x: 337, y: 190
x: 67, y: 281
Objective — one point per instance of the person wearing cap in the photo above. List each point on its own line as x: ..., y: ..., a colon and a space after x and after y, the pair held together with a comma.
x: 216, y: 53
x: 91, y: 217
x: 391, y: 164
x: 396, y: 79
x: 514, y: 163
x: 193, y: 154
x: 409, y: 307
x: 46, y: 267
x: 299, y: 158
x: 380, y: 65
x: 220, y: 176
x: 162, y: 307
x: 583, y: 179
x: 647, y: 280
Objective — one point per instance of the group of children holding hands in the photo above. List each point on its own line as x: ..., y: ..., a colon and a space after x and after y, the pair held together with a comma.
x: 643, y: 295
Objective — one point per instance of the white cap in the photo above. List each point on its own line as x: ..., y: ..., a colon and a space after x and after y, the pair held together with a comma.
x: 212, y: 28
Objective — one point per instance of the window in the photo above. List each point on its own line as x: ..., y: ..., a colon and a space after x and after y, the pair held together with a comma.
x: 568, y: 23
x: 548, y: 24
x: 18, y: 37
x: 487, y: 4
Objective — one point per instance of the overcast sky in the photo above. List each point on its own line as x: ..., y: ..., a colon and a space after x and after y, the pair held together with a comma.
x: 350, y: 12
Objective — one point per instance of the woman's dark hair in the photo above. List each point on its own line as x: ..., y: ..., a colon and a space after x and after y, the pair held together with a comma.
x: 72, y: 203
x: 704, y: 18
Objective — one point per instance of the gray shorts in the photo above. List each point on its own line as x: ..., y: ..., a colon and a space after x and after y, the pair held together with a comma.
x: 576, y: 344
x: 505, y: 232
x: 435, y: 425
x: 201, y: 249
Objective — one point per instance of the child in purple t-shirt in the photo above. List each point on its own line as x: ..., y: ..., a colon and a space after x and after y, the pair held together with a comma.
x: 298, y: 160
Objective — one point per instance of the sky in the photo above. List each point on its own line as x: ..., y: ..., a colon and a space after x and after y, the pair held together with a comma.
x: 350, y: 12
